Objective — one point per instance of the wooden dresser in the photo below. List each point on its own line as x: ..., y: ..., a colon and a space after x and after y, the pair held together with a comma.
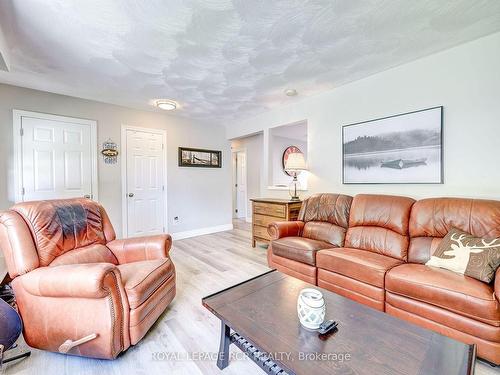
x: 267, y: 210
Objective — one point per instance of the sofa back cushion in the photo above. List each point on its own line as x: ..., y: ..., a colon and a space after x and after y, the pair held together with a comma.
x: 379, y: 223
x: 326, y: 217
x: 59, y: 226
x: 431, y: 219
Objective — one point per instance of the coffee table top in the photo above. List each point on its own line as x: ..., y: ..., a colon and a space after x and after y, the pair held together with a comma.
x: 264, y: 311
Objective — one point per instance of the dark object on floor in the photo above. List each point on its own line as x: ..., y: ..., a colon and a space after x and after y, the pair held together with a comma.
x: 7, y: 294
x: 10, y: 329
x: 10, y: 325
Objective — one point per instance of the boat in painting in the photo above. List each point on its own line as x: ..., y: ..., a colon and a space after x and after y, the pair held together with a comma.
x: 403, y: 163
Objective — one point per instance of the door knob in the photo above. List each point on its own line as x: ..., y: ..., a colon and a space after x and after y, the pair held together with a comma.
x: 130, y: 195
x: 87, y: 196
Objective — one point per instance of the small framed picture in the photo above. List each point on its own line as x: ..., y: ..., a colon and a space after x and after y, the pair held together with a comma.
x: 197, y: 157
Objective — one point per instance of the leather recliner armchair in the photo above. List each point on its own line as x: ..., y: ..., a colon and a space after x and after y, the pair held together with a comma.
x: 78, y: 289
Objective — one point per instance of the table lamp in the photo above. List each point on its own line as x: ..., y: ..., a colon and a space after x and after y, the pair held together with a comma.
x: 294, y: 165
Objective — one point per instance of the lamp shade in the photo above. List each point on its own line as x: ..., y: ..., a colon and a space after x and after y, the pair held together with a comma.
x: 296, y: 162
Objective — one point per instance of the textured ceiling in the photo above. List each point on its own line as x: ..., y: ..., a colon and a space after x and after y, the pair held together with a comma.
x: 223, y: 59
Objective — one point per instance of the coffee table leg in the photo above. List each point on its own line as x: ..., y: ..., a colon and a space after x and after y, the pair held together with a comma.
x: 225, y: 340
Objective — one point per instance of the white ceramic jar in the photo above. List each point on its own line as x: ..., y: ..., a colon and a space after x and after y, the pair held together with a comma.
x: 311, y: 308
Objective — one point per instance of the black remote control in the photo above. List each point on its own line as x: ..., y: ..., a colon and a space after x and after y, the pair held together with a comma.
x: 327, y: 326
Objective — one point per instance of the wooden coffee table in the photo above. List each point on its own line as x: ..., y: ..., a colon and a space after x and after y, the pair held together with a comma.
x: 260, y: 317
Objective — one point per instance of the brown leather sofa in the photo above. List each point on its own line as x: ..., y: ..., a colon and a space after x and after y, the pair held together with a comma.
x: 382, y: 264
x: 73, y: 280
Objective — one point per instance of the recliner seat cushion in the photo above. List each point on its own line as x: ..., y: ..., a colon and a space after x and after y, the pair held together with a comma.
x: 449, y: 290
x: 142, y: 279
x: 95, y: 253
x: 299, y: 248
x: 362, y: 265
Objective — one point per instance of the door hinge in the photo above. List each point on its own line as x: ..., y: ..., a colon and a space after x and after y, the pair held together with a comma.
x: 236, y: 210
x: 21, y: 132
x: 163, y: 188
x: 163, y: 229
x: 162, y: 146
x: 23, y: 191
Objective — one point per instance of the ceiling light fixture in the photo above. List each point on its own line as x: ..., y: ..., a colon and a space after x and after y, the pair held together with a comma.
x: 291, y: 92
x: 167, y: 105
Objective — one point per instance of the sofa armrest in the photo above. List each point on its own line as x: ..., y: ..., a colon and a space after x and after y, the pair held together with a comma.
x: 73, y: 280
x: 497, y: 284
x: 141, y: 248
x: 279, y: 229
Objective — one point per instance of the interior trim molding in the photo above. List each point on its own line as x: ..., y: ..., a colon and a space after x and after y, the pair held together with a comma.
x: 201, y: 231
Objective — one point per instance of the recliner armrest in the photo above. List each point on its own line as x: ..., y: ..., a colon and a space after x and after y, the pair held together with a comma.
x: 141, y: 248
x: 497, y: 284
x: 279, y: 229
x: 73, y: 280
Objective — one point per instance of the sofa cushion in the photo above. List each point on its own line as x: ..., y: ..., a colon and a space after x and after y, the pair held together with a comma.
x: 432, y: 218
x: 379, y: 223
x: 95, y: 253
x: 322, y: 231
x: 449, y: 290
x: 142, y: 279
x: 361, y: 265
x: 326, y: 207
x: 299, y: 248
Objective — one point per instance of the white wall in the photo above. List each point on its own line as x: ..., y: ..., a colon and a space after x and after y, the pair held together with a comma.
x: 201, y: 197
x: 464, y: 79
x: 253, y: 145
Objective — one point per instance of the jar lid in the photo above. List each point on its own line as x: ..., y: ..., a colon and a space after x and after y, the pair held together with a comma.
x: 312, y: 297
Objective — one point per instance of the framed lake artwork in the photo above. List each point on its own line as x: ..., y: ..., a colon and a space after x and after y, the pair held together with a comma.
x: 197, y: 157
x: 400, y: 149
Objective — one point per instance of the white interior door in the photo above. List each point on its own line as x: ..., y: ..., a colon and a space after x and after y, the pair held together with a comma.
x: 56, y: 159
x: 144, y: 181
x: 241, y: 184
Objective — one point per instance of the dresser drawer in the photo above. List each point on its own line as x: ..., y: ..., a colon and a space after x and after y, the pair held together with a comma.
x: 263, y: 220
x: 270, y: 209
x: 261, y: 232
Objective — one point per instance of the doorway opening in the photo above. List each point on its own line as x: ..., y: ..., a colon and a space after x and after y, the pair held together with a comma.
x: 239, y: 159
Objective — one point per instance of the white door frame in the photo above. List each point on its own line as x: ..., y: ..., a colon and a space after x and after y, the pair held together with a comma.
x: 17, y: 116
x: 234, y: 190
x: 163, y: 133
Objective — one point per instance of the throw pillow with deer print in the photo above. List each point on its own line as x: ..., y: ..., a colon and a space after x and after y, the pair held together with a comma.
x: 463, y: 253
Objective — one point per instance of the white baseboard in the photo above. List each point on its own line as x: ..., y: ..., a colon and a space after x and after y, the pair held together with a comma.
x: 201, y: 231
x: 248, y: 219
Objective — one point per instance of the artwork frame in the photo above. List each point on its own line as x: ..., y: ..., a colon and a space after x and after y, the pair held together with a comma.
x: 199, y: 158
x: 431, y: 149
